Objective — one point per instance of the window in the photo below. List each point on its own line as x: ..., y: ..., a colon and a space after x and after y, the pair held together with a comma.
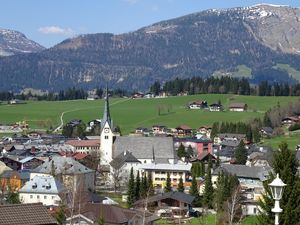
x: 106, y: 137
x: 254, y: 210
x: 52, y: 197
x: 31, y: 196
x: 45, y: 196
x: 38, y: 197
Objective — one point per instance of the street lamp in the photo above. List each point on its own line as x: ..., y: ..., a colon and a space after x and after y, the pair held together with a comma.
x: 277, y: 186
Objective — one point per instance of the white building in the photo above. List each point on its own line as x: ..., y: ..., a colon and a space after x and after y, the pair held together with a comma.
x: 159, y: 173
x: 42, y: 189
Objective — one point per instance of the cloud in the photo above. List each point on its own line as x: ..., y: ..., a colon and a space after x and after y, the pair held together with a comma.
x: 131, y: 1
x: 56, y: 30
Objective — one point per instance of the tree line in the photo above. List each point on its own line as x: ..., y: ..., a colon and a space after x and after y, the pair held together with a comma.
x: 225, y: 85
x: 68, y: 94
x: 251, y: 130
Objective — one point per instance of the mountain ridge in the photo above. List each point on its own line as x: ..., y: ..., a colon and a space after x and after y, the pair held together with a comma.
x: 198, y: 44
x: 14, y: 42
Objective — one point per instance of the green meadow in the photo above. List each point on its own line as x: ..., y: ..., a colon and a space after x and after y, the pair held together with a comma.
x: 131, y: 113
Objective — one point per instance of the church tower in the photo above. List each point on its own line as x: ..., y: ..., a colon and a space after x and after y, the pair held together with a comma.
x: 106, y: 134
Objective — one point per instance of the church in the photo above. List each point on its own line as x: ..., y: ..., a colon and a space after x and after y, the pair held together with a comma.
x: 146, y: 150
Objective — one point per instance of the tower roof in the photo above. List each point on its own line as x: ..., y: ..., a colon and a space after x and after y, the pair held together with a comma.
x: 106, y: 113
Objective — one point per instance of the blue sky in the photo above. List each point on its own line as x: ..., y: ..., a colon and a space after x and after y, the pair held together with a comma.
x: 49, y: 22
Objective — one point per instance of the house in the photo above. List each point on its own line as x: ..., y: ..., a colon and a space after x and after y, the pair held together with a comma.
x: 83, y: 146
x: 249, y: 177
x: 149, y: 95
x: 20, y: 163
x: 68, y: 171
x: 74, y: 122
x: 184, y: 130
x: 260, y: 159
x: 198, y: 104
x: 30, y: 162
x: 140, y: 130
x: 25, y: 214
x: 11, y: 161
x: 111, y: 214
x: 160, y: 171
x: 137, y: 95
x: 43, y: 189
x: 238, y: 107
x: 121, y: 166
x: 159, y: 129
x: 199, y: 145
x: 290, y: 120
x: 204, y: 131
x: 93, y: 123
x: 92, y: 97
x: 14, y: 180
x: 266, y: 132
x: 173, y: 203
x: 204, y: 157
x: 215, y: 107
x: 16, y: 101
x: 229, y: 137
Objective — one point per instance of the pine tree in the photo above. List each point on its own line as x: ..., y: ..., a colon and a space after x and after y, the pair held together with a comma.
x: 214, y: 130
x: 219, y: 193
x: 144, y: 186
x: 130, y: 191
x: 189, y: 152
x: 181, y: 151
x: 285, y: 164
x: 137, y: 187
x: 168, y: 187
x: 195, y: 192
x: 180, y: 187
x: 52, y: 168
x: 150, y: 188
x: 241, y: 154
x: 208, y: 189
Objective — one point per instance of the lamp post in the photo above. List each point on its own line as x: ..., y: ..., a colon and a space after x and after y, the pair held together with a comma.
x: 277, y: 186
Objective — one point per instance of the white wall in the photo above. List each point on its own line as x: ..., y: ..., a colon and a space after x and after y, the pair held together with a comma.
x: 46, y: 199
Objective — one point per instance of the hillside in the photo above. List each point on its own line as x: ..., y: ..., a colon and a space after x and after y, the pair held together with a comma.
x: 249, y: 42
x: 14, y: 42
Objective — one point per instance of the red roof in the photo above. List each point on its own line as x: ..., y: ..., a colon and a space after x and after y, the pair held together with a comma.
x: 79, y: 156
x: 83, y: 143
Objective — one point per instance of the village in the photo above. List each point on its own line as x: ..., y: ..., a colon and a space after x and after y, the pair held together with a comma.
x: 156, y: 172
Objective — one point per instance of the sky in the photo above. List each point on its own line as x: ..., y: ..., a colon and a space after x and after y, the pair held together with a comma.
x: 49, y: 22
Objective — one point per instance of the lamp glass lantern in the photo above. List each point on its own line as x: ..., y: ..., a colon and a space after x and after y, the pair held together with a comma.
x: 277, y: 186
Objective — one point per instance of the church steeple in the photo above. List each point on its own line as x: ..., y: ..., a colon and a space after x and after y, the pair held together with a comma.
x: 106, y: 114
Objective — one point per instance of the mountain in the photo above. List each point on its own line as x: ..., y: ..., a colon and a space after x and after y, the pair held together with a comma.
x: 259, y: 42
x: 14, y: 42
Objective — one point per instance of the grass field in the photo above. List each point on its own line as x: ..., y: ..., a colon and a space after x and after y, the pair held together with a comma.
x: 210, y: 220
x: 292, y: 139
x: 132, y: 113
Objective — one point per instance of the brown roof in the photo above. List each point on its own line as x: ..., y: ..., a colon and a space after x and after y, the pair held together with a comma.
x: 237, y: 105
x: 110, y: 213
x: 25, y: 214
x: 83, y: 143
x: 184, y: 127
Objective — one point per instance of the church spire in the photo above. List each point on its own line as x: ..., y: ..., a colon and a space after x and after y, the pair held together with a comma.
x: 106, y: 114
x: 153, y: 155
